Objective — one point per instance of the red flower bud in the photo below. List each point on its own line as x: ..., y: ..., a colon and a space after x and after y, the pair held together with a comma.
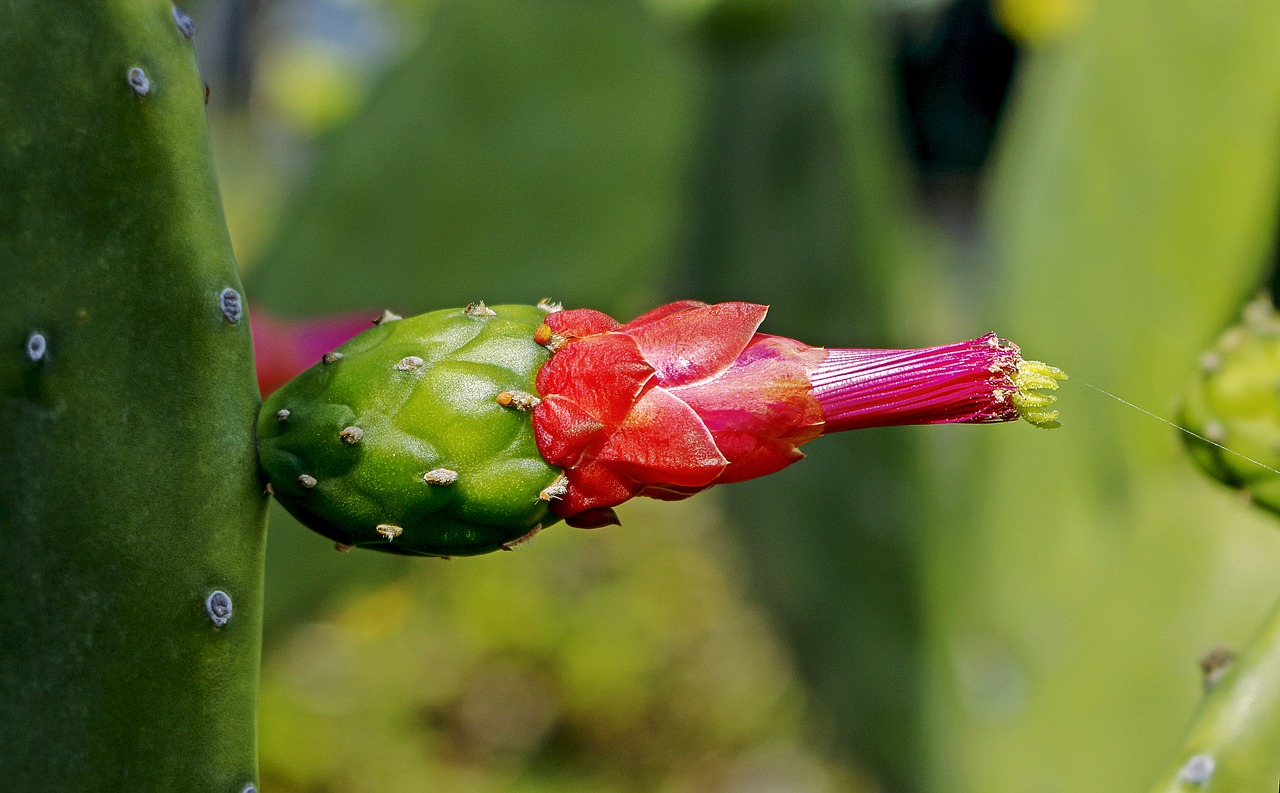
x: 690, y: 395
x: 283, y: 349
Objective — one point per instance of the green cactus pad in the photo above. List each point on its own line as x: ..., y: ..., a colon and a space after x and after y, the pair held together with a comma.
x: 1235, y: 401
x: 398, y: 441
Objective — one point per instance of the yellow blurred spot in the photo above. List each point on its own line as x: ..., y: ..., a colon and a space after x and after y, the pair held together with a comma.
x: 309, y: 85
x: 378, y: 613
x: 1033, y: 22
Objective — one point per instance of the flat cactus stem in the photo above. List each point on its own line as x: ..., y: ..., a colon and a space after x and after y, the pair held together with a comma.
x: 1233, y: 740
x: 131, y: 513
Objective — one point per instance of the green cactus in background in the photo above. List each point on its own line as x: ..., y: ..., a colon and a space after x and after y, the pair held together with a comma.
x: 1232, y: 407
x: 1234, y: 403
x: 1231, y: 745
x: 130, y: 504
x: 796, y: 166
x: 397, y: 441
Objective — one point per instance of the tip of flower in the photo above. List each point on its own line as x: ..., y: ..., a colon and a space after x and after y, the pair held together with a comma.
x: 1033, y: 381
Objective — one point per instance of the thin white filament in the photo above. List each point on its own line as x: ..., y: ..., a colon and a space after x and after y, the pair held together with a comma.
x: 1181, y: 428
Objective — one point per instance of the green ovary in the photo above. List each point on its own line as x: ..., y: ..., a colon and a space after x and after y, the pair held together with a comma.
x: 422, y: 394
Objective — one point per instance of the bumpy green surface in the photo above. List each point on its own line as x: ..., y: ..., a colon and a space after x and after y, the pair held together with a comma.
x: 411, y: 419
x: 129, y: 487
x: 1235, y: 401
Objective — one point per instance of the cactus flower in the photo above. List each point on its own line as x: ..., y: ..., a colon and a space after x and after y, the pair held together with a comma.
x: 466, y: 431
x: 689, y: 395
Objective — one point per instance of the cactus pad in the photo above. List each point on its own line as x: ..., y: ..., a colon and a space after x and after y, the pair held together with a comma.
x: 414, y: 437
x: 1235, y: 402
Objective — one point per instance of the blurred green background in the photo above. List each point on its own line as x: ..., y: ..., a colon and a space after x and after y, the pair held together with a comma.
x: 925, y: 609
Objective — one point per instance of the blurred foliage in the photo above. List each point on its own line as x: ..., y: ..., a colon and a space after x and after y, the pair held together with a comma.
x: 995, y: 610
x: 1077, y: 576
x: 1231, y: 744
x: 796, y: 201
x: 619, y: 661
x: 954, y: 67
x: 491, y: 163
x: 1041, y: 21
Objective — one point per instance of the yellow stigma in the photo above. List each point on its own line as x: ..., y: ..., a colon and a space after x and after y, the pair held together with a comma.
x: 1033, y: 380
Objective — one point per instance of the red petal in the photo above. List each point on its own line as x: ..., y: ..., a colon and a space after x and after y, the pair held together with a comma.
x: 695, y: 344
x: 594, y: 518
x: 603, y: 374
x: 751, y: 456
x: 562, y: 429
x: 661, y: 311
x: 664, y: 442
x: 767, y: 392
x: 580, y: 322
x: 671, y: 492
x: 593, y: 485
